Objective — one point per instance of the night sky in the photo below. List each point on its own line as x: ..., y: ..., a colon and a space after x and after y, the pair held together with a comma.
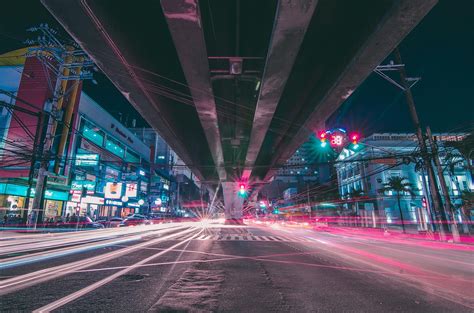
x: 440, y: 50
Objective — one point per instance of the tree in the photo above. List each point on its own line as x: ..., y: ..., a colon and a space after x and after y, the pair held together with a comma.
x: 467, y: 198
x: 355, y: 194
x: 465, y: 148
x: 399, y: 186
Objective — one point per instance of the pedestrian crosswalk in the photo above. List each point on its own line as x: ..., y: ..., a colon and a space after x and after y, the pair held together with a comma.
x: 247, y: 237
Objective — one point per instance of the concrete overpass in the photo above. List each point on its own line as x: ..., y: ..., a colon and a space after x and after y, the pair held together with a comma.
x: 235, y: 87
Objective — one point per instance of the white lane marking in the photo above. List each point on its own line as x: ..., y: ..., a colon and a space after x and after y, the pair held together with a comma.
x: 36, y: 277
x: 61, y: 302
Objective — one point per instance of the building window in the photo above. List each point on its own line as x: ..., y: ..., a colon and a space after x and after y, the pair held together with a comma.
x: 132, y: 157
x: 93, y: 133
x: 115, y: 147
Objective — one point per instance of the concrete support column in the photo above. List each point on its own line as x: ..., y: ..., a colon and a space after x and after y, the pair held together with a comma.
x: 232, y: 201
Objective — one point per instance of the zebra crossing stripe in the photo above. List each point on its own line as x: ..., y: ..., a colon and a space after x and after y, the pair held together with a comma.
x: 251, y: 238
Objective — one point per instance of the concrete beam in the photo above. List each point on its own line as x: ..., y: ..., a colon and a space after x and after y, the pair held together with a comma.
x: 398, y: 22
x: 291, y: 21
x: 184, y: 22
x: 232, y: 201
x: 79, y: 20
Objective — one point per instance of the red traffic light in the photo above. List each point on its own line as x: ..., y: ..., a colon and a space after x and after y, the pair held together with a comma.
x: 355, y: 138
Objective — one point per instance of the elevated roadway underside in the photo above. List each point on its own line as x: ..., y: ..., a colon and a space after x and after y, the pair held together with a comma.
x: 235, y: 87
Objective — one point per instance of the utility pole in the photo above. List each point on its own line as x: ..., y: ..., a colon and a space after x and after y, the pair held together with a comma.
x: 37, y: 147
x: 66, y: 63
x: 448, y: 206
x: 405, y: 85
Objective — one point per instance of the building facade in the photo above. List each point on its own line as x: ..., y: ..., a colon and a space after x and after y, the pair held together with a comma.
x: 103, y: 168
x: 362, y: 173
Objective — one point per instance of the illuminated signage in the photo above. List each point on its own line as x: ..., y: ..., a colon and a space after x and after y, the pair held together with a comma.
x: 143, y: 187
x: 166, y: 187
x: 141, y: 172
x: 113, y: 202
x: 87, y: 159
x: 133, y: 205
x: 131, y: 190
x: 52, y: 194
x: 113, y: 190
x: 92, y: 200
x: 79, y: 184
x: 336, y: 140
x: 76, y: 198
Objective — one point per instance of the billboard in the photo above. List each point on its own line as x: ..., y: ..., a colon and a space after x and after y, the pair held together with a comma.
x: 131, y: 190
x: 113, y: 190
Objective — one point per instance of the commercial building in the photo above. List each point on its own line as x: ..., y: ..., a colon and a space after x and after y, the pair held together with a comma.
x: 99, y: 167
x: 364, y: 172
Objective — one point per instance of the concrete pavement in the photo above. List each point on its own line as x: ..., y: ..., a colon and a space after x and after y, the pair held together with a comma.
x: 253, y: 269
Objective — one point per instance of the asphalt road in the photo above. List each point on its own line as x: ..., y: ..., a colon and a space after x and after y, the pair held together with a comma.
x: 210, y: 267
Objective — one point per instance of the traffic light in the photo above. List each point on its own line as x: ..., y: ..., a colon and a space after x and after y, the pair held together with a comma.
x: 242, y: 190
x: 355, y: 138
x: 323, y: 138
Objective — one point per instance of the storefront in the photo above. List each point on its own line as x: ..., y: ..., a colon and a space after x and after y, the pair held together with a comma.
x: 13, y: 200
x: 111, y: 208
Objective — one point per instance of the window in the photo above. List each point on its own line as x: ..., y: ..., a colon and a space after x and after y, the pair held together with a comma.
x: 93, y: 133
x: 115, y: 147
x: 132, y: 157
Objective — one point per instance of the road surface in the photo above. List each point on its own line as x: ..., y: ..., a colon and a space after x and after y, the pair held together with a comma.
x: 213, y: 267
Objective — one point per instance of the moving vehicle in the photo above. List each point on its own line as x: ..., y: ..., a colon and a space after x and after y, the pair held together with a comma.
x: 135, y: 219
x: 111, y: 222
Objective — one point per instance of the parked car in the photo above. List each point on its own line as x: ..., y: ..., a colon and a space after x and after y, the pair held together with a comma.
x: 83, y: 222
x: 111, y: 222
x: 135, y: 219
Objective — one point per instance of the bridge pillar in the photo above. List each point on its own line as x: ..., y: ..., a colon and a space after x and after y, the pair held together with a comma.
x: 233, y: 203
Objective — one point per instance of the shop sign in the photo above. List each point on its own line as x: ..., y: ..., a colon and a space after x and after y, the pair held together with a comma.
x: 57, y: 179
x: 143, y: 187
x: 76, y: 198
x: 15, y: 190
x: 52, y: 194
x: 129, y: 176
x: 131, y: 190
x: 111, y: 173
x: 90, y: 177
x: 133, y: 205
x: 80, y: 184
x: 93, y: 200
x: 113, y: 190
x: 113, y: 202
x: 87, y: 159
x: 121, y: 133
